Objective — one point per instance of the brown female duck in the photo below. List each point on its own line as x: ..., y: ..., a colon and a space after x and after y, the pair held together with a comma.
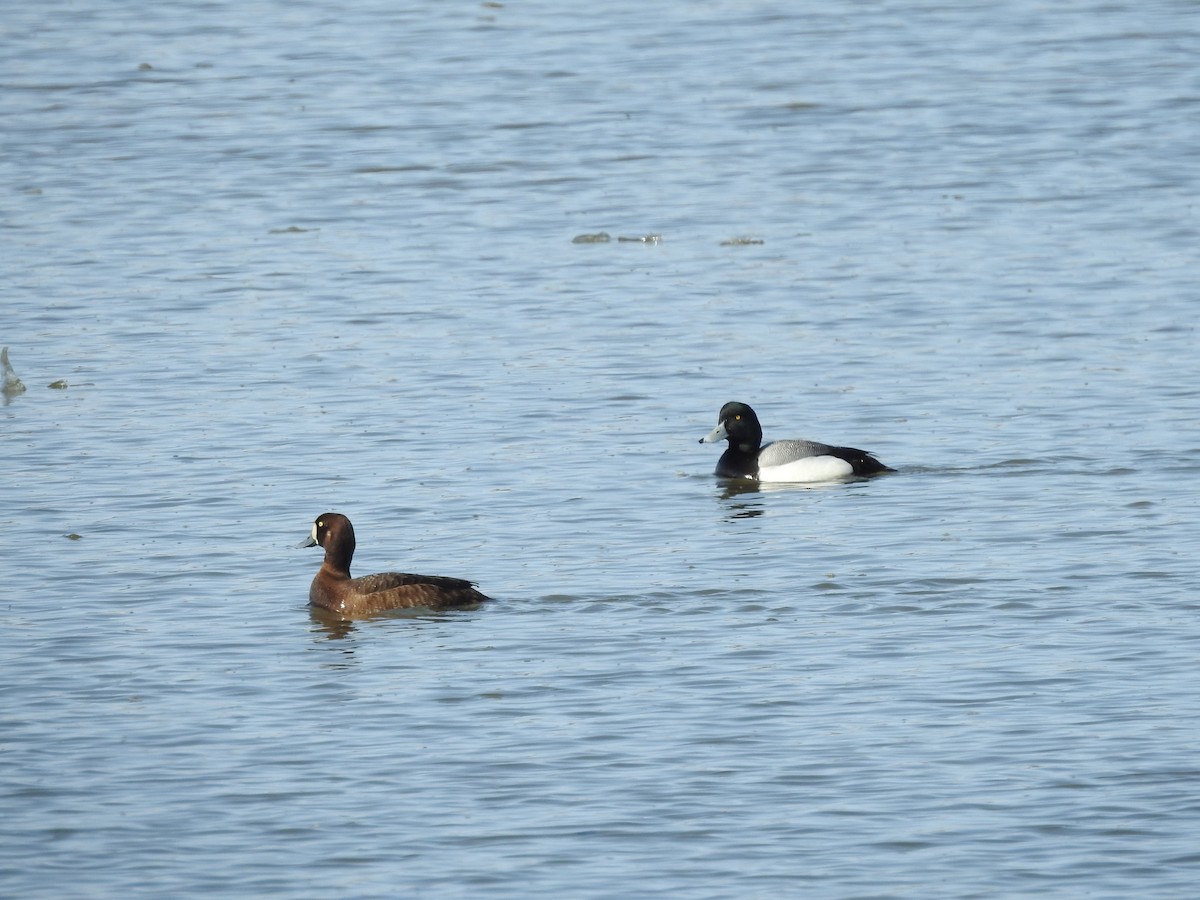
x: 333, y: 588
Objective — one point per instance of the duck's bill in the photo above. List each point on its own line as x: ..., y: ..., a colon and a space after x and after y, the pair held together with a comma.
x: 717, y: 434
x: 309, y: 541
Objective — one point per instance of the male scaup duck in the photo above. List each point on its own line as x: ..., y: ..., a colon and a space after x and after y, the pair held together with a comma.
x: 333, y: 588
x: 779, y: 461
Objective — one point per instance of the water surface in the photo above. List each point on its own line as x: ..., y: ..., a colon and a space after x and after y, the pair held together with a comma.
x: 291, y: 258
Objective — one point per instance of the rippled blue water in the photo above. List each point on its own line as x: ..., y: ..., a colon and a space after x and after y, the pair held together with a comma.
x: 291, y: 257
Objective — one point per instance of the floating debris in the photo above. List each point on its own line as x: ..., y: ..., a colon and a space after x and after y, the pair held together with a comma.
x: 600, y: 237
x: 644, y: 239
x: 60, y: 385
x: 741, y: 241
x: 12, y: 384
x: 73, y: 536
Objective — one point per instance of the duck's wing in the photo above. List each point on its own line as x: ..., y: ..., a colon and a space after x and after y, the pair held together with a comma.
x: 398, y: 590
x: 800, y: 460
x: 387, y: 581
x: 780, y: 453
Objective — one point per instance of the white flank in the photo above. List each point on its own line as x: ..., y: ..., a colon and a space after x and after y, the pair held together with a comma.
x: 809, y: 469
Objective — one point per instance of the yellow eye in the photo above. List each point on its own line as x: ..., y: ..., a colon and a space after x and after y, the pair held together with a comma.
x: 737, y: 418
x: 320, y: 524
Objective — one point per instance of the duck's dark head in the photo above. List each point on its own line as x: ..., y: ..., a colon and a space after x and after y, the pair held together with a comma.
x: 738, y: 424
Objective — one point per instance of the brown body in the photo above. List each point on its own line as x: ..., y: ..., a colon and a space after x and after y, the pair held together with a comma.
x: 333, y: 588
